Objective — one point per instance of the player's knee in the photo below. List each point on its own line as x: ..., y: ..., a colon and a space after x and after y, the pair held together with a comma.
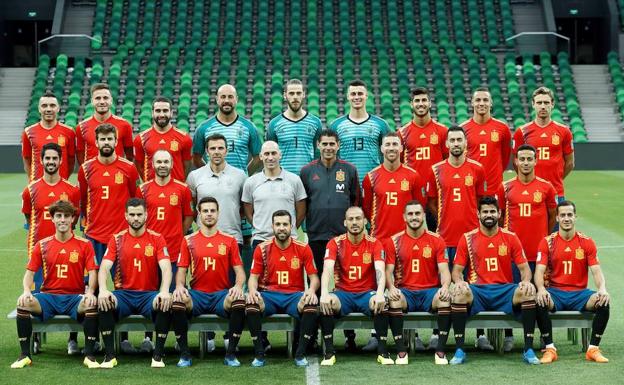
x: 396, y: 304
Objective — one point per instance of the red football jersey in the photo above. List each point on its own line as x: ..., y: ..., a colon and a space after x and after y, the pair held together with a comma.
x: 526, y: 211
x: 136, y: 260
x: 385, y: 194
x: 166, y: 208
x: 36, y: 198
x: 567, y: 262
x: 416, y: 260
x: 552, y: 142
x: 490, y: 145
x: 210, y: 259
x: 489, y: 259
x: 354, y: 270
x: 104, y: 190
x: 423, y: 146
x: 36, y: 136
x: 282, y: 270
x: 457, y: 190
x: 176, y: 142
x: 64, y: 264
x: 85, y: 136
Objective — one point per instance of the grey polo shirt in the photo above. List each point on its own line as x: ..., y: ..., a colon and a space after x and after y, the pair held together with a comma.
x: 227, y: 188
x: 269, y: 195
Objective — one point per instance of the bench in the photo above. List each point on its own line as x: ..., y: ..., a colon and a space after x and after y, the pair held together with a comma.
x: 494, y: 322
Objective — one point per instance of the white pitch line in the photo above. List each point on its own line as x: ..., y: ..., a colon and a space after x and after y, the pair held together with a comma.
x: 312, y: 372
x: 612, y: 247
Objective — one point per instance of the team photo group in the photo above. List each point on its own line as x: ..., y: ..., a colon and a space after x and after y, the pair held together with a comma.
x: 349, y: 216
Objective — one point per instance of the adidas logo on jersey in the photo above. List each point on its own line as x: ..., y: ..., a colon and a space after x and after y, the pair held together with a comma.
x: 355, y: 254
x: 543, y: 135
x: 456, y: 176
x: 491, y: 245
x: 162, y: 141
x: 283, y: 259
x: 106, y: 173
x: 392, y: 181
x: 209, y: 245
x: 423, y: 136
x: 162, y: 195
x: 62, y: 251
x: 567, y: 249
x: 51, y: 194
x: 525, y: 192
x: 415, y: 247
x: 482, y: 132
x: 49, y: 137
x: 137, y: 246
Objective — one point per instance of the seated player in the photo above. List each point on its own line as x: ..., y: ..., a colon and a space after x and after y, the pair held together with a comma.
x: 489, y: 252
x: 64, y: 259
x: 276, y: 286
x: 356, y: 261
x: 210, y: 255
x: 137, y: 254
x: 565, y: 257
x: 418, y: 279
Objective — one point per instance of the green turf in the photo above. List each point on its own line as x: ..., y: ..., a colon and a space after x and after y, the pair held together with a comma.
x: 598, y: 197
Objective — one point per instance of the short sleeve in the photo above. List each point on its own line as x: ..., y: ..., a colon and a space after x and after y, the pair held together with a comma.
x: 133, y: 178
x: 308, y: 260
x: 199, y: 142
x: 71, y: 144
x: 461, y: 255
x: 379, y: 254
x: 331, y: 250
x: 26, y: 146
x: 269, y: 134
x: 162, y: 253
x: 482, y: 187
x: 111, y: 250
x: 35, y: 261
x: 431, y: 185
x: 518, y: 253
x: 235, y: 258
x: 187, y: 202
x: 441, y: 256
x: 139, y: 154
x: 248, y: 191
x: 592, y: 252
x: 187, y: 146
x: 26, y: 204
x: 388, y: 245
x: 567, y: 144
x: 518, y: 140
x: 184, y: 259
x: 254, y: 140
x: 300, y: 192
x: 551, y: 197
x: 89, y: 253
x: 127, y: 139
x: 190, y: 181
x: 80, y: 144
x: 543, y: 252
x: 257, y: 266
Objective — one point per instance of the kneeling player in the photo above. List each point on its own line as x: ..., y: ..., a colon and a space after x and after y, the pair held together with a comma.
x: 276, y: 286
x: 64, y: 259
x: 210, y: 254
x: 418, y: 279
x: 489, y: 252
x: 137, y: 254
x: 360, y: 283
x: 567, y: 255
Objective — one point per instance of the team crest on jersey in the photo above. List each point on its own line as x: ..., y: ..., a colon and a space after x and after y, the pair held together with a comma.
x: 149, y: 251
x: 580, y: 253
x: 119, y: 178
x: 173, y: 200
x: 433, y: 139
x: 468, y: 181
x: 294, y: 263
x: 340, y: 176
x: 173, y: 146
x: 221, y: 250
x: 426, y: 252
x: 405, y: 185
x: 556, y: 140
x: 502, y: 250
x: 61, y: 140
x: 494, y: 136
x: 537, y: 197
x: 73, y: 256
x: 366, y: 257
x: 64, y: 197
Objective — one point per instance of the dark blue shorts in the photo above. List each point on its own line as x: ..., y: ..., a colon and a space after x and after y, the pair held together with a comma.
x: 208, y: 303
x: 358, y: 302
x: 58, y: 304
x: 516, y: 272
x: 570, y: 300
x: 281, y: 303
x: 130, y: 302
x: 419, y: 300
x: 493, y: 297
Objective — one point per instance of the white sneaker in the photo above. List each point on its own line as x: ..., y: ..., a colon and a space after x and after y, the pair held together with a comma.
x: 418, y: 345
x: 433, y: 342
x: 147, y: 346
x: 371, y: 345
x: 482, y: 343
x: 72, y: 347
x: 440, y: 360
x: 210, y: 345
x: 508, y: 344
x: 127, y: 348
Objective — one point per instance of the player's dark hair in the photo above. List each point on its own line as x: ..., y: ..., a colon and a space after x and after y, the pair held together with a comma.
x: 162, y: 99
x: 293, y: 82
x: 214, y: 137
x: 53, y: 147
x: 354, y: 208
x: 135, y: 202
x: 99, y: 86
x: 481, y: 89
x: 488, y: 200
x: 328, y: 132
x: 420, y: 91
x: 543, y: 91
x: 413, y: 202
x: 526, y: 147
x: 357, y: 83
x: 62, y: 206
x: 455, y: 128
x: 281, y: 213
x: 207, y: 199
x: 105, y: 128
x: 566, y: 203
x: 48, y: 94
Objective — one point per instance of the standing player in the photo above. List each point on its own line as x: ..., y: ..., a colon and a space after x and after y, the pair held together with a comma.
x: 210, y: 255
x: 295, y: 130
x: 489, y: 252
x: 86, y: 146
x: 552, y: 140
x: 242, y: 135
x: 64, y: 258
x: 388, y: 187
x: 564, y: 258
x: 138, y: 254
x: 418, y: 279
x: 359, y: 132
x: 356, y: 260
x: 162, y: 136
x: 48, y: 130
x: 277, y: 286
x: 489, y: 140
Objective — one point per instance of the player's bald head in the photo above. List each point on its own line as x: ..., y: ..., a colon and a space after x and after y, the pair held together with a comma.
x: 161, y: 155
x: 226, y: 89
x: 354, y: 210
x: 269, y: 146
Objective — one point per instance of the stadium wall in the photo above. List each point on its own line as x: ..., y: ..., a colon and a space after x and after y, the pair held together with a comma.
x: 588, y: 156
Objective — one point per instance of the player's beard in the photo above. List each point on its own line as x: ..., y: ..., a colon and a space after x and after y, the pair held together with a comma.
x: 136, y: 225
x: 457, y: 152
x: 107, y: 151
x: 282, y: 236
x: 51, y: 171
x: 418, y: 226
x: 489, y: 222
x: 224, y: 112
x: 356, y: 232
x: 162, y: 122
x: 420, y: 115
x: 163, y: 172
x: 295, y: 108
